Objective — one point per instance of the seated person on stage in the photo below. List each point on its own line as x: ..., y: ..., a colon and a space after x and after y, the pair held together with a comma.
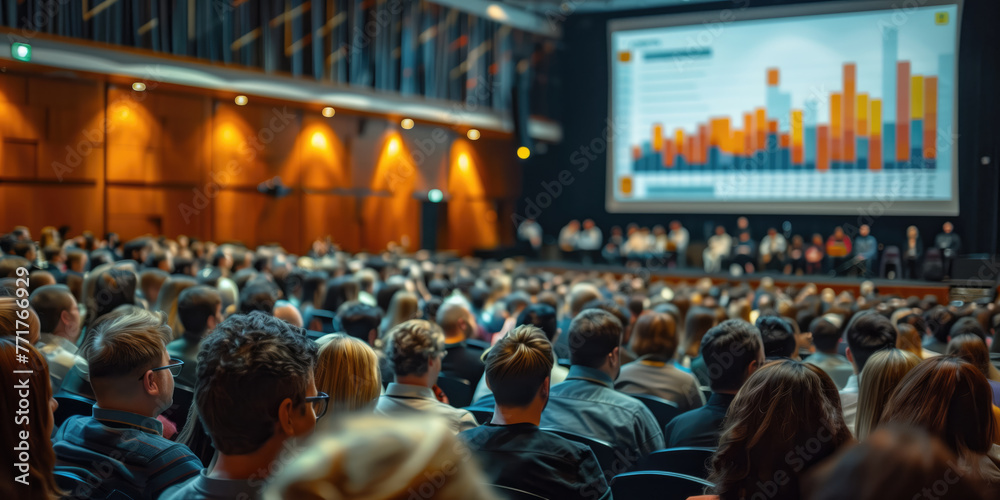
x: 826, y: 335
x: 838, y: 246
x: 255, y: 395
x: 816, y: 255
x: 637, y: 244
x: 529, y: 235
x: 590, y: 238
x: 717, y: 251
x: 678, y: 242
x: 744, y: 252
x: 772, y: 250
x: 733, y: 350
x: 511, y: 448
x: 795, y: 261
x: 122, y: 443
x: 568, y: 236
x: 415, y: 349
x: 865, y: 249
x: 200, y: 310
x: 59, y: 319
x: 587, y: 403
x: 660, y: 245
x: 654, y: 341
x: 913, y: 251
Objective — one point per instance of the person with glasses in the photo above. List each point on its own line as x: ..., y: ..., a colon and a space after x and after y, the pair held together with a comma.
x: 121, y: 444
x: 256, y: 394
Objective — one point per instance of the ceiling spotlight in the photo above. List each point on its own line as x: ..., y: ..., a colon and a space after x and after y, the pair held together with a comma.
x: 138, y: 86
x: 241, y: 100
x: 523, y: 152
x: 329, y: 111
x: 472, y: 134
x: 406, y: 123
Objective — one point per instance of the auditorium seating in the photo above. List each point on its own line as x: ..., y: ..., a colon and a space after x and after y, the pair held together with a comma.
x: 458, y: 390
x: 663, y: 410
x: 656, y: 484
x: 687, y: 461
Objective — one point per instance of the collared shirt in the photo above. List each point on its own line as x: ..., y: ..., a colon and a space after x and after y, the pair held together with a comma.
x: 202, y: 487
x: 662, y: 379
x: 835, y: 365
x: 590, y: 239
x: 587, y: 404
x: 127, y: 450
x: 61, y: 356
x: 524, y: 457
x: 463, y: 361
x: 701, y: 427
x: 404, y: 400
x: 849, y: 401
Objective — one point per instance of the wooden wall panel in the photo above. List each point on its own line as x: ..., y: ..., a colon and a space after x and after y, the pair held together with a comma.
x: 39, y: 205
x: 255, y: 219
x: 253, y: 143
x: 336, y: 216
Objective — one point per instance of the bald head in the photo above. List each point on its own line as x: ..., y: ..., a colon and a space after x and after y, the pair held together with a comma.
x: 455, y: 319
x: 57, y: 311
x: 288, y: 313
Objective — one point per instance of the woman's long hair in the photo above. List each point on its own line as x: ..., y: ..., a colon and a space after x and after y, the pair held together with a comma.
x: 166, y: 301
x: 785, y: 419
x: 348, y: 370
x: 882, y: 373
x: 40, y: 458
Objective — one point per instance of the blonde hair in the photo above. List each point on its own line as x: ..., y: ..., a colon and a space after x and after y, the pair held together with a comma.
x: 882, y: 373
x: 10, y: 314
x: 348, y: 370
x: 166, y: 301
x: 125, y: 342
x: 402, y: 307
x: 908, y: 339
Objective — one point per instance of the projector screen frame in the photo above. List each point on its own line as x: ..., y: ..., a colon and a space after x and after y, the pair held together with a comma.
x: 885, y: 205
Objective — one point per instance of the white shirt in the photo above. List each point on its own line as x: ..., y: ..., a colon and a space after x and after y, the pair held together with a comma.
x: 590, y: 239
x: 849, y: 401
x: 679, y: 238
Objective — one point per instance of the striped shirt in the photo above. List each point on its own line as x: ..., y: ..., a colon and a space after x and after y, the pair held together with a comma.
x: 126, y: 451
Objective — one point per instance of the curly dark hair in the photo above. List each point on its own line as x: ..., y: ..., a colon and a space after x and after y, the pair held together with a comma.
x: 247, y: 366
x: 411, y: 344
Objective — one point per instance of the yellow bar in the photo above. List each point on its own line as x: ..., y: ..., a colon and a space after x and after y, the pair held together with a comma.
x: 863, y: 128
x: 876, y: 118
x: 657, y: 137
x: 836, y: 112
x: 916, y: 97
x: 796, y: 127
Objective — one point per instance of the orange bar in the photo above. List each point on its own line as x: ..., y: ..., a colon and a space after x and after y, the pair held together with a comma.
x: 692, y: 153
x: 862, y: 109
x: 875, y: 153
x: 772, y: 126
x: 702, y: 143
x: 760, y: 125
x: 850, y: 79
x: 719, y: 134
x: 657, y: 137
x: 823, y: 148
x: 836, y: 126
x: 668, y: 153
x: 785, y: 141
x: 797, y: 154
x: 930, y: 117
x: 772, y: 77
x: 876, y: 118
x: 679, y: 141
x: 636, y: 152
x: 739, y: 143
x: 903, y: 111
x: 748, y: 130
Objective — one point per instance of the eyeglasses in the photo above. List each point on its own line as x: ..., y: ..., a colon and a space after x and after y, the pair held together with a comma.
x: 320, y: 402
x: 175, y: 368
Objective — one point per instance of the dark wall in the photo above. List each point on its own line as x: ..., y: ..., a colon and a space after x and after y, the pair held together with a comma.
x: 580, y: 193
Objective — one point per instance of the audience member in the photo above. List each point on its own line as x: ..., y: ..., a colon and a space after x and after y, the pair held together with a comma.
x: 586, y: 403
x: 415, y: 349
x: 654, y: 341
x: 199, y: 310
x: 882, y: 374
x: 348, y: 371
x: 732, y: 351
x: 826, y: 337
x: 973, y: 349
x: 867, y: 333
x: 513, y: 450
x: 287, y: 312
x: 459, y: 324
x: 59, y: 325
x: 122, y: 443
x: 778, y: 337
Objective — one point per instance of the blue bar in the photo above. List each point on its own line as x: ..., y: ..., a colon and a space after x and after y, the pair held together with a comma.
x: 916, y: 143
x: 889, y: 145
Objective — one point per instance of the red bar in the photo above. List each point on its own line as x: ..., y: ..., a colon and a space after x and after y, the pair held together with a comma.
x: 668, y: 153
x: 930, y: 117
x: 875, y: 153
x: 636, y: 152
x: 823, y: 148
x: 702, y: 144
x: 797, y: 155
x: 692, y: 152
x: 748, y: 134
x: 850, y: 103
x: 903, y: 111
x: 785, y: 141
x: 760, y: 124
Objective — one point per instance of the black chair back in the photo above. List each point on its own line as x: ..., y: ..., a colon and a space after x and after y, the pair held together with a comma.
x: 70, y: 405
x: 478, y: 344
x: 688, y: 461
x: 178, y: 412
x: 603, y: 450
x: 656, y: 484
x: 515, y: 494
x: 458, y: 390
x: 663, y: 410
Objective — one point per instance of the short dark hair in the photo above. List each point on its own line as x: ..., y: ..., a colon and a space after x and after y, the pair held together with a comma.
x: 825, y: 334
x: 49, y: 302
x: 247, y: 366
x: 194, y: 306
x: 541, y: 315
x: 411, y: 344
x: 967, y: 326
x: 258, y: 296
x: 517, y: 366
x: 134, y: 245
x: 612, y: 307
x: 867, y: 333
x: 728, y: 349
x: 358, y: 319
x: 593, y: 334
x: 516, y: 300
x: 939, y: 320
x: 778, y: 336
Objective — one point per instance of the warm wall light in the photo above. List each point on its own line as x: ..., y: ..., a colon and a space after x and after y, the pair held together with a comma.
x: 241, y: 100
x: 318, y: 140
x: 393, y: 146
x: 138, y: 86
x: 329, y: 111
x: 523, y: 152
x: 463, y: 161
x: 472, y: 134
x: 406, y: 123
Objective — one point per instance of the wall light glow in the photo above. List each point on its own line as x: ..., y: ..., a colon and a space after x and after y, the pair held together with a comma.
x: 138, y: 86
x: 329, y: 111
x: 523, y: 152
x: 406, y: 123
x: 473, y: 134
x: 241, y: 100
